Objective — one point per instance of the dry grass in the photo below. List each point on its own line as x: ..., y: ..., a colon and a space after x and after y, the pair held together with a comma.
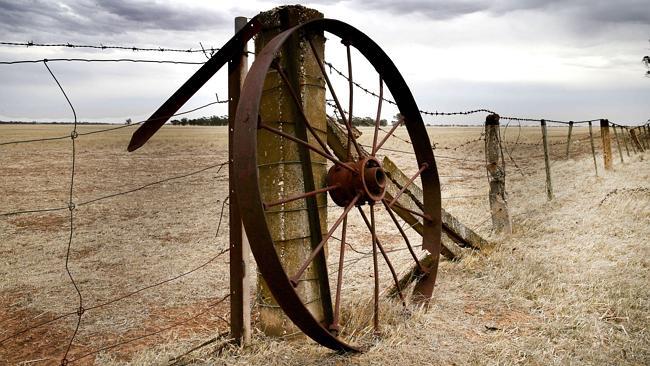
x: 570, y: 286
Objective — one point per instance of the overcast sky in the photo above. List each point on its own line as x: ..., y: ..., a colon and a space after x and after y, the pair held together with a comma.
x: 542, y: 59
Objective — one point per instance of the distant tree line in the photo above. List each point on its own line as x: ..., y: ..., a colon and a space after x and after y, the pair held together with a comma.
x: 365, y: 121
x: 223, y: 121
x: 203, y: 121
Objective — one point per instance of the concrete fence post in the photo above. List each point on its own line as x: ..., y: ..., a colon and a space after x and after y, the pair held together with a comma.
x: 288, y: 169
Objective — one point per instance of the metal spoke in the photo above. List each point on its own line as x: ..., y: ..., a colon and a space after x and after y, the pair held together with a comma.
x: 295, y: 98
x: 347, y: 122
x: 351, y: 95
x: 371, y: 227
x: 397, y: 124
x: 401, y: 231
x: 418, y: 214
x: 303, y: 195
x: 294, y: 279
x: 408, y: 184
x: 378, y: 119
x: 307, y: 145
x: 374, y: 265
x: 334, y: 327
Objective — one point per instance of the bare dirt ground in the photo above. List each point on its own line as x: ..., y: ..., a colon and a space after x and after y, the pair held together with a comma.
x: 570, y: 286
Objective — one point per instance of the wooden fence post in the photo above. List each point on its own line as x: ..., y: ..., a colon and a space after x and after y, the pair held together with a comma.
x: 607, y: 144
x: 624, y: 137
x: 635, y: 140
x: 629, y: 136
x: 638, y: 136
x: 501, y: 221
x: 240, y: 303
x: 618, y: 144
x: 549, y: 185
x: 287, y: 169
x: 568, y: 141
x: 593, y: 149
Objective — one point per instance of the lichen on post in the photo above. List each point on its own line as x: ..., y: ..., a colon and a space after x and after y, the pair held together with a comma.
x: 288, y: 169
x: 497, y: 176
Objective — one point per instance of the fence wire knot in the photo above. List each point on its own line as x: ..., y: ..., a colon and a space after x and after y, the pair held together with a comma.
x: 74, y: 135
x: 72, y: 206
x: 64, y: 362
x: 81, y: 311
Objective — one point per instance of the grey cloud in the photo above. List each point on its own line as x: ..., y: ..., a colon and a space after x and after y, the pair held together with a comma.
x: 432, y: 9
x: 157, y: 16
x: 605, y: 11
x: 630, y: 11
x: 87, y: 17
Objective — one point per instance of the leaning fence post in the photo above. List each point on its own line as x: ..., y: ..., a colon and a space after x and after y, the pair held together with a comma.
x: 629, y: 135
x: 635, y: 140
x: 593, y: 149
x: 607, y: 143
x: 549, y: 185
x: 618, y: 144
x: 638, y: 137
x: 501, y: 221
x: 568, y: 141
x: 240, y: 303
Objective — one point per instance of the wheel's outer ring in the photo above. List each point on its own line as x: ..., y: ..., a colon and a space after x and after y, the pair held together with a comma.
x: 247, y: 180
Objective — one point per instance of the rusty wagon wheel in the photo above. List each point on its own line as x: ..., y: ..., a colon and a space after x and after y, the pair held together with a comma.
x: 356, y: 178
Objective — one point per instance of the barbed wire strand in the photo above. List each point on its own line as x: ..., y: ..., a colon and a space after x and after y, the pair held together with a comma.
x: 467, y: 112
x: 213, y: 50
x: 76, y: 59
x: 105, y: 47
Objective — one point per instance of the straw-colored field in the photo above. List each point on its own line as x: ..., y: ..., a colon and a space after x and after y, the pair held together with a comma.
x: 570, y: 286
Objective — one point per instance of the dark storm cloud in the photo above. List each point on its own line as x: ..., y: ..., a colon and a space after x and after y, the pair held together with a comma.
x: 87, y: 17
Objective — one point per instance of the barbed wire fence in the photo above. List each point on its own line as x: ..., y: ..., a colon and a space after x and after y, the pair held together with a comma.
x: 82, y: 305
x: 465, y: 168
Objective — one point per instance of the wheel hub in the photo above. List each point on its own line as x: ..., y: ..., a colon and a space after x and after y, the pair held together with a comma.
x: 368, y: 178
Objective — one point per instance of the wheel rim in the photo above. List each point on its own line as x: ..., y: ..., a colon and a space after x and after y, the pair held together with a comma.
x: 346, y: 191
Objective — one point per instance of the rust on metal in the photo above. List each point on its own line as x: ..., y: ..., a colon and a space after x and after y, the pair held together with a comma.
x: 229, y: 51
x: 358, y: 177
x: 361, y: 179
x: 296, y: 277
x: 368, y: 178
x: 297, y: 197
x: 401, y: 191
